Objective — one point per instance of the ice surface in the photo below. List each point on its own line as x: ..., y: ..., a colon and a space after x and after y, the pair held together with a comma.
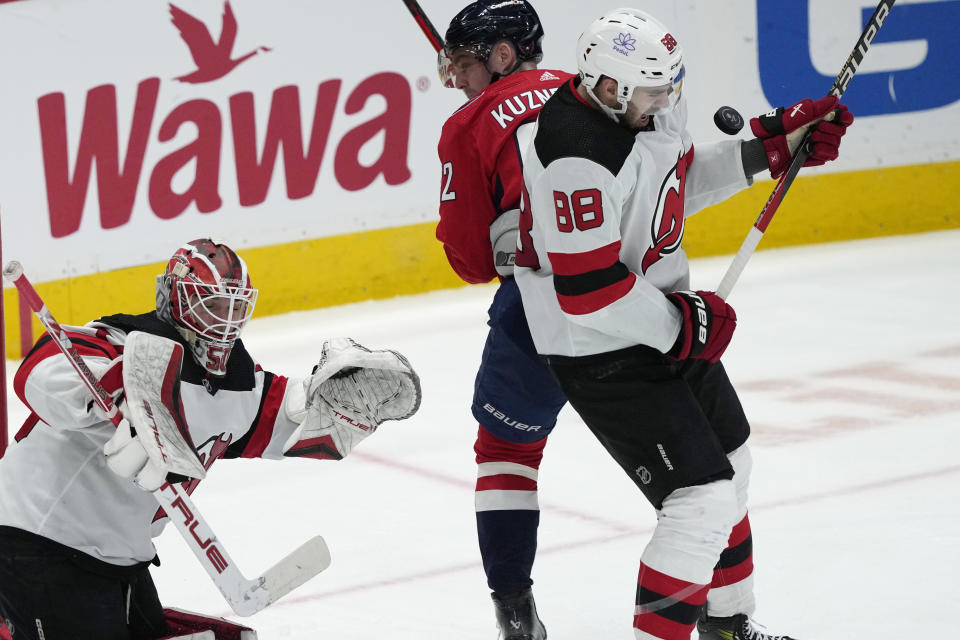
x: 847, y: 359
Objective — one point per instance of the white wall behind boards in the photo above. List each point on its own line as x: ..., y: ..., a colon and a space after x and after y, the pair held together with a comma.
x: 115, y: 146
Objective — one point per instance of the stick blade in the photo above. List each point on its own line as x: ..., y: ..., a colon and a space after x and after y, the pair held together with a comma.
x: 300, y: 565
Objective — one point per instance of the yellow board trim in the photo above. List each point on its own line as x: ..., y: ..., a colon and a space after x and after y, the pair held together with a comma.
x: 834, y: 207
x: 407, y: 260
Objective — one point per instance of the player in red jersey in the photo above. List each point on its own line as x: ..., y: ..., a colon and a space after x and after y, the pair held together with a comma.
x: 495, y: 49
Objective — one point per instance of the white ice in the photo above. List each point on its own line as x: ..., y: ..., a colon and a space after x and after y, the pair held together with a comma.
x: 847, y: 360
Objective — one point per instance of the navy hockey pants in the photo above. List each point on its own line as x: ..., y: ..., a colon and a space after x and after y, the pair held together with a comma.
x: 516, y: 401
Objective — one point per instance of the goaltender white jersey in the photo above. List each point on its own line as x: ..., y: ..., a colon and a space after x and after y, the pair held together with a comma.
x: 601, y: 229
x: 54, y: 481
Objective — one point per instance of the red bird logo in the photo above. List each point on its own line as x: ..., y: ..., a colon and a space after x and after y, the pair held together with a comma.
x: 212, y: 58
x: 667, y: 225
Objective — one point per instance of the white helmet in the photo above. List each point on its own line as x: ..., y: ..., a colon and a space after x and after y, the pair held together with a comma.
x: 636, y: 50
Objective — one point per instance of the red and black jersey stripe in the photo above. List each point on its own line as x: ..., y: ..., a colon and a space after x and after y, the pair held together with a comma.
x: 589, y: 281
x: 32, y: 421
x: 85, y: 344
x: 322, y: 448
x: 255, y: 441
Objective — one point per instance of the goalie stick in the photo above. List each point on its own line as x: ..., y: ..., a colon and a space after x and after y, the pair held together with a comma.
x: 245, y: 596
x: 846, y: 74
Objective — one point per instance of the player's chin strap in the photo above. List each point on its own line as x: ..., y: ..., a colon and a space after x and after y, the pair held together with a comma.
x: 496, y: 75
x: 613, y: 114
x: 351, y: 392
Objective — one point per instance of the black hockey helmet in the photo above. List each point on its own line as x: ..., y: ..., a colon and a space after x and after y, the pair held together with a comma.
x: 482, y: 24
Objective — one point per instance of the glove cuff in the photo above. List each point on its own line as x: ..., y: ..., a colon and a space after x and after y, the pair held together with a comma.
x: 778, y: 155
x: 769, y: 124
x: 695, y: 327
x: 681, y: 348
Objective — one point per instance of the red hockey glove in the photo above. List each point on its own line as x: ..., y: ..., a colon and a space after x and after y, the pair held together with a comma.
x: 783, y: 129
x: 708, y: 324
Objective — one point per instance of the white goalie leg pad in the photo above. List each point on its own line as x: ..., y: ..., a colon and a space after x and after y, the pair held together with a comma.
x: 351, y: 392
x: 151, y: 382
x: 186, y: 625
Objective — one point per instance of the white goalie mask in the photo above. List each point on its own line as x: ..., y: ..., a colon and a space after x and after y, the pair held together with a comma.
x: 639, y: 53
x: 205, y: 294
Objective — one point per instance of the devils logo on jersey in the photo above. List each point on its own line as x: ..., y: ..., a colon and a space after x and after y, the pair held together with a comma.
x: 210, y: 451
x: 666, y: 230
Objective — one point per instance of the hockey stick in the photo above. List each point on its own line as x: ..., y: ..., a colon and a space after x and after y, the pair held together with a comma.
x: 444, y: 64
x: 245, y: 597
x: 425, y: 25
x: 849, y: 69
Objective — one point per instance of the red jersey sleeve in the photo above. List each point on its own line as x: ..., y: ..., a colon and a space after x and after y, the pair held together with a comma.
x: 269, y: 429
x: 466, y: 205
x: 49, y: 386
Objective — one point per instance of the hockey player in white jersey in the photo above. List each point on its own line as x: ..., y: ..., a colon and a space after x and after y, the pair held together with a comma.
x: 609, y: 178
x: 76, y: 510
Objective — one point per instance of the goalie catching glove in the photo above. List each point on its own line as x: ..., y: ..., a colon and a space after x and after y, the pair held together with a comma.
x: 351, y: 392
x: 783, y: 129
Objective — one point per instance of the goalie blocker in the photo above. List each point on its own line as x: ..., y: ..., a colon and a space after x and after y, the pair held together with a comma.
x: 152, y: 444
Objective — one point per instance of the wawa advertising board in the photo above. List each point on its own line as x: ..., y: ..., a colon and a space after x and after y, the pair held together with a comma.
x: 304, y: 133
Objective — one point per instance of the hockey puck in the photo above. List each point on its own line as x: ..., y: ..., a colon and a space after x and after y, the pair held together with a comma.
x: 728, y: 120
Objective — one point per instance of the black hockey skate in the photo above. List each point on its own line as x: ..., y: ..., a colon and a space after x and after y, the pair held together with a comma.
x: 738, y: 627
x: 517, y: 616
